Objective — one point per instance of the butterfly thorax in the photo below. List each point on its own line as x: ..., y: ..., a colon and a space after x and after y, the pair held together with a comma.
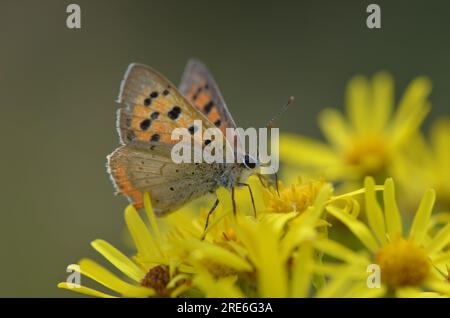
x: 232, y: 175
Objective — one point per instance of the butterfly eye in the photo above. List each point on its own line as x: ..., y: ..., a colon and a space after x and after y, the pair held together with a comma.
x: 249, y: 162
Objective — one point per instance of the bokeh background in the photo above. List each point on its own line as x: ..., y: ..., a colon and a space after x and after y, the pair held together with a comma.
x: 58, y: 86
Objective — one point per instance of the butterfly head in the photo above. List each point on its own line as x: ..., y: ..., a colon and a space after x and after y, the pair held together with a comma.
x: 250, y: 162
x: 249, y: 166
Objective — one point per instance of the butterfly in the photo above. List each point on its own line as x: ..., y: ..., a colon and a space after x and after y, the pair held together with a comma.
x: 150, y: 108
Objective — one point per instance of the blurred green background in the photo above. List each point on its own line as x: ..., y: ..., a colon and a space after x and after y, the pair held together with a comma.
x: 58, y: 86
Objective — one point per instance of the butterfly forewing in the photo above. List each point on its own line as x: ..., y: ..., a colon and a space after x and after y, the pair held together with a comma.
x: 201, y: 90
x: 152, y: 107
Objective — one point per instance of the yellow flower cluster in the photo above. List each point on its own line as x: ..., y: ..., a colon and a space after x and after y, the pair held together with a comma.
x: 307, y: 238
x: 375, y: 139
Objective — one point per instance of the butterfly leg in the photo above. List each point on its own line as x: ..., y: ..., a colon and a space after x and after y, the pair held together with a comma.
x: 265, y: 184
x: 276, y: 183
x: 251, y: 196
x: 207, y: 218
x: 233, y: 201
x: 262, y: 180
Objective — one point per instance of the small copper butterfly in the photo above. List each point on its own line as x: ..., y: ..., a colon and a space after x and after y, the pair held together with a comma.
x: 150, y: 108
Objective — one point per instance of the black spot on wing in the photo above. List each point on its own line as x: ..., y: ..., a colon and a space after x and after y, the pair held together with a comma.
x: 195, y: 96
x: 192, y: 129
x: 145, y: 124
x: 155, y: 137
x: 174, y: 113
x: 154, y: 115
x: 207, y: 108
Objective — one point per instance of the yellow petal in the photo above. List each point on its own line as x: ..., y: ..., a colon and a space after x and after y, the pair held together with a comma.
x: 334, y: 127
x: 383, y: 100
x: 328, y: 269
x: 324, y: 195
x: 408, y: 292
x: 175, y: 293
x: 412, y: 110
x: 441, y: 240
x: 295, y: 149
x: 362, y: 291
x: 406, y: 129
x: 151, y: 216
x: 339, y: 251
x: 358, y: 228
x: 119, y: 260
x: 262, y: 242
x: 98, y: 273
x: 373, y: 211
x: 202, y: 250
x: 220, y: 288
x: 440, y: 136
x: 392, y: 214
x: 85, y: 290
x: 358, y: 103
x: 415, y: 95
x: 142, y: 238
x: 302, y: 271
x: 340, y: 283
x: 421, y: 220
x: 441, y: 286
x: 439, y: 259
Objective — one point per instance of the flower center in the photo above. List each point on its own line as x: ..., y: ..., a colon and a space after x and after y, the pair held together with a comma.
x: 296, y: 198
x: 157, y: 278
x: 369, y: 153
x: 402, y: 263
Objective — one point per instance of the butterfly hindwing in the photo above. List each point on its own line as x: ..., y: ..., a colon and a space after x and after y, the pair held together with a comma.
x: 152, y: 107
x: 141, y: 167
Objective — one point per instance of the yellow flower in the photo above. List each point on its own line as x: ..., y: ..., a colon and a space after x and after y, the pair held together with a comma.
x: 278, y: 255
x: 151, y: 272
x: 296, y: 198
x: 429, y: 163
x: 368, y: 141
x: 409, y: 263
x: 270, y: 255
x: 258, y: 254
x: 280, y: 252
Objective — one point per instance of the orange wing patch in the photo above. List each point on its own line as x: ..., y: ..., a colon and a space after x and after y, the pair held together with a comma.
x: 201, y: 97
x: 119, y: 175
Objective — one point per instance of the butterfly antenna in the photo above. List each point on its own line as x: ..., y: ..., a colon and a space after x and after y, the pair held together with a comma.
x: 270, y: 125
x: 280, y: 112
